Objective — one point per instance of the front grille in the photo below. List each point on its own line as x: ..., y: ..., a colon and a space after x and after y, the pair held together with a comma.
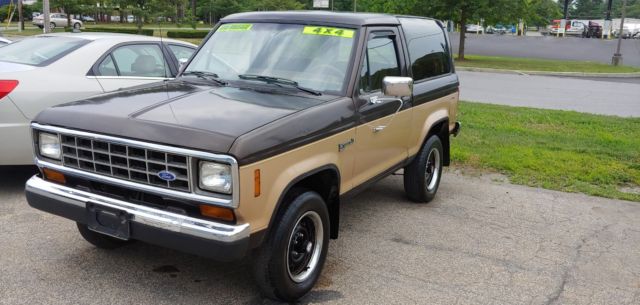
x: 136, y: 164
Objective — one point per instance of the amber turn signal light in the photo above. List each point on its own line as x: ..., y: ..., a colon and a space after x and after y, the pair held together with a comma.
x: 217, y: 212
x: 54, y: 176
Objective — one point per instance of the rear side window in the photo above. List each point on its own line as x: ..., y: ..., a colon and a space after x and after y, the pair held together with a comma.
x: 428, y: 49
x: 40, y: 51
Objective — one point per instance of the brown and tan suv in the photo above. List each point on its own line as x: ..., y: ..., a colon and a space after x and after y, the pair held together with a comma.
x: 275, y: 119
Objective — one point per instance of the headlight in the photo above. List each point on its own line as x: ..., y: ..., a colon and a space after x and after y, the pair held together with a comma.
x: 49, y: 145
x: 215, y: 177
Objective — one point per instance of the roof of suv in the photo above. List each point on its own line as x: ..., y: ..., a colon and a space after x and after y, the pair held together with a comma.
x: 353, y: 19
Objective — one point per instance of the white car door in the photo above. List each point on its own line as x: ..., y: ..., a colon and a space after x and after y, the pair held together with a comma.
x: 133, y: 64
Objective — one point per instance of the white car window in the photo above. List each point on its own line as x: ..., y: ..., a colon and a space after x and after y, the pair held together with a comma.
x: 107, y: 68
x: 140, y: 60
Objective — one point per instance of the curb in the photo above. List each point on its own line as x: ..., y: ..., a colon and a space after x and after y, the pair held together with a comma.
x: 548, y: 73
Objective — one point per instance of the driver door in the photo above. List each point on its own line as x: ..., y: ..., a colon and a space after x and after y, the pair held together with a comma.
x: 384, y: 126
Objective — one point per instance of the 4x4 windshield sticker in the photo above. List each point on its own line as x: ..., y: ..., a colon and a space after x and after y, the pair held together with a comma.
x: 320, y: 30
x: 235, y: 27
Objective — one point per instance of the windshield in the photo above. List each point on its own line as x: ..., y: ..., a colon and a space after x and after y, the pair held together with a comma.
x: 38, y: 51
x: 312, y: 56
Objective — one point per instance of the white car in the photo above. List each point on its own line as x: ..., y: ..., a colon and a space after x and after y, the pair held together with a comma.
x: 57, y: 20
x: 51, y: 69
x: 474, y: 28
x: 4, y: 42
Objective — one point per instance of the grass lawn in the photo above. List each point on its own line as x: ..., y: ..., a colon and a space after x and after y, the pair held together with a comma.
x: 531, y: 64
x: 558, y: 150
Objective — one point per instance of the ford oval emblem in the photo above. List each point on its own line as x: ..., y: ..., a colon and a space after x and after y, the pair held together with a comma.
x: 167, y: 176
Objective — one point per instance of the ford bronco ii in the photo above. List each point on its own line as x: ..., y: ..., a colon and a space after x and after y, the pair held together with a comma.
x: 274, y: 120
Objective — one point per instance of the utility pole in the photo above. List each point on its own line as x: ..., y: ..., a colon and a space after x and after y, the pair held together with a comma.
x: 608, y: 24
x: 617, y: 56
x: 20, y: 17
x: 563, y: 23
x: 355, y: 6
x: 46, y: 11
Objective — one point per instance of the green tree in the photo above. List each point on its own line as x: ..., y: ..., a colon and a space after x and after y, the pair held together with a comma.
x: 541, y: 12
x: 583, y: 9
x: 275, y: 5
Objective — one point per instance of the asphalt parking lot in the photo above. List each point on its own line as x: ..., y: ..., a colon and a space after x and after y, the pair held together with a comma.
x: 481, y: 241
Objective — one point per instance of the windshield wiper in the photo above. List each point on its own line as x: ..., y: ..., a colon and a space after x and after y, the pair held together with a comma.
x: 206, y: 75
x: 278, y: 81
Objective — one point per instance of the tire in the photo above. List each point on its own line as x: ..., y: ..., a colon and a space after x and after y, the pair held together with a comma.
x: 76, y: 26
x: 41, y: 27
x: 100, y: 240
x: 422, y: 175
x: 289, y: 263
x: 52, y: 26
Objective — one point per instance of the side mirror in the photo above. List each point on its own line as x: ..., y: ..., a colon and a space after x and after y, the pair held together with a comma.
x: 183, y: 64
x: 397, y: 86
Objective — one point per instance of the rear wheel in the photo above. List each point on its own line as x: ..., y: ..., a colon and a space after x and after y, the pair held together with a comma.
x: 289, y: 263
x: 52, y: 26
x: 100, y: 240
x: 76, y: 26
x: 422, y: 175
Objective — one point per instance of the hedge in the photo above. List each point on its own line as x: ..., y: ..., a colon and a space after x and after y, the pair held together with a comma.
x: 147, y: 32
x: 187, y: 34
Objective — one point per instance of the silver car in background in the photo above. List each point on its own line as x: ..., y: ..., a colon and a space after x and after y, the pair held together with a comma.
x: 57, y: 20
x: 47, y: 70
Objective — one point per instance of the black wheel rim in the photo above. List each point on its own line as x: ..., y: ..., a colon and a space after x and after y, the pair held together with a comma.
x: 305, y: 244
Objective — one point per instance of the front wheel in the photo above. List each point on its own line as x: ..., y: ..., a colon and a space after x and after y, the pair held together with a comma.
x: 76, y: 26
x: 288, y: 265
x: 52, y: 26
x: 422, y: 175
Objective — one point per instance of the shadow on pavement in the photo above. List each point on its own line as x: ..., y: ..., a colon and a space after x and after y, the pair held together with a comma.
x: 13, y: 178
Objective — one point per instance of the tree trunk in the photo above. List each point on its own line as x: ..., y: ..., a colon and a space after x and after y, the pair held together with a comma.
x: 463, y: 30
x: 193, y: 8
x: 139, y: 24
x: 68, y: 16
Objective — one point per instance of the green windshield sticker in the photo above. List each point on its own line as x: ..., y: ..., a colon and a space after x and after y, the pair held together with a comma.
x: 320, y: 30
x: 235, y: 27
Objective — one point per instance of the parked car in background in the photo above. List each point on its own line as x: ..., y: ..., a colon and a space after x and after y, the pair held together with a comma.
x: 57, y: 20
x: 474, y: 28
x: 4, y: 42
x: 51, y: 69
x: 88, y: 19
x: 626, y: 32
x: 498, y: 29
x: 592, y: 30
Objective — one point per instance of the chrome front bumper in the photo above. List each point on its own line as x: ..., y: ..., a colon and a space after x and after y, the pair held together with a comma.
x: 155, y: 226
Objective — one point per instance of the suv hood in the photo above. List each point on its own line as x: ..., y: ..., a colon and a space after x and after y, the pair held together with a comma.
x: 178, y: 113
